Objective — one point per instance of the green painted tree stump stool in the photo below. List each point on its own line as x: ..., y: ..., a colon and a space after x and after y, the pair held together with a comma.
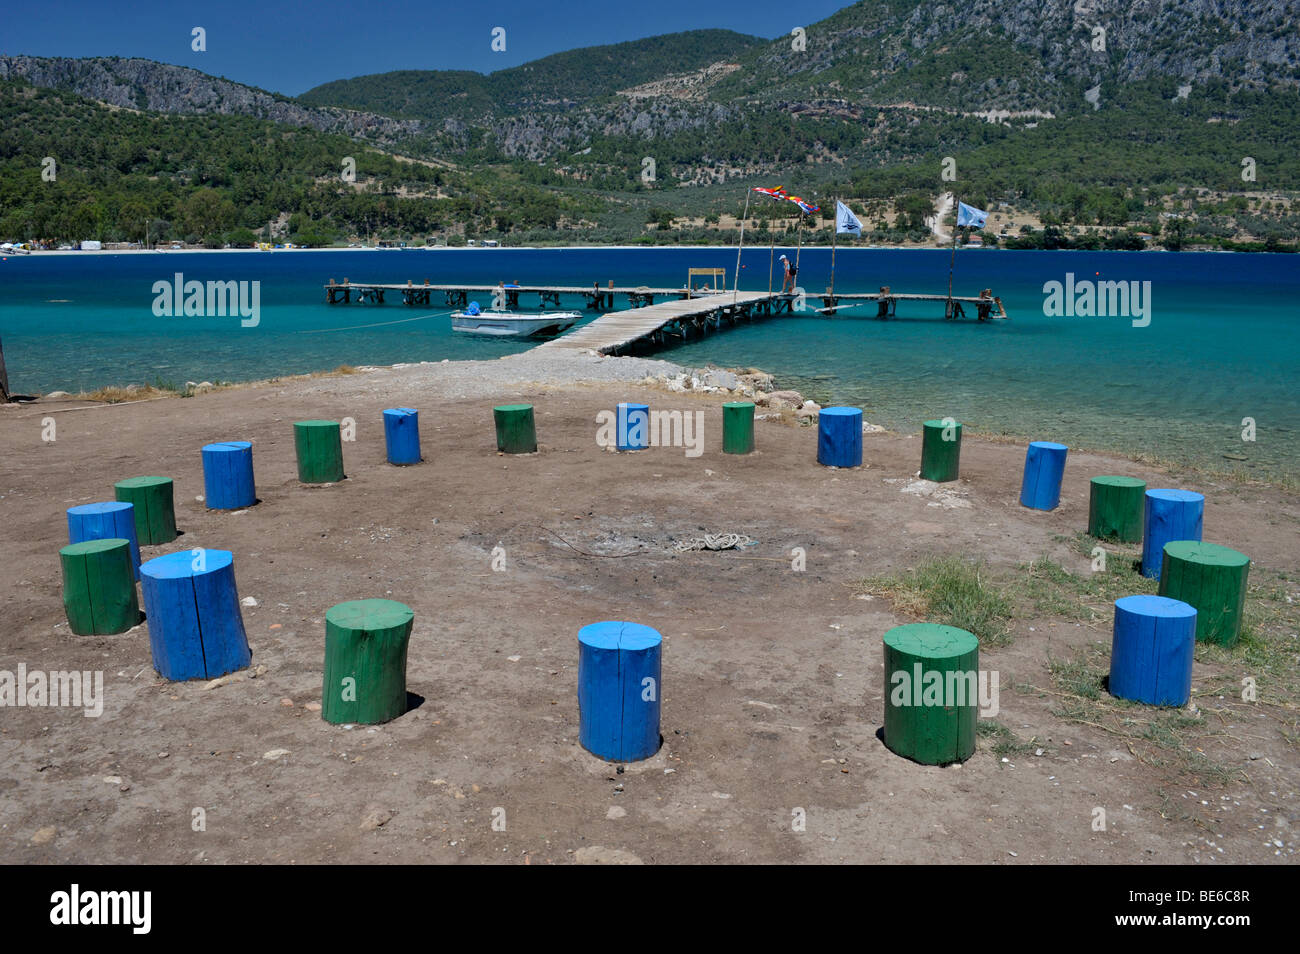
x: 932, y: 694
x: 365, y: 661
x: 516, y: 430
x: 1212, y: 579
x: 155, y: 507
x: 941, y: 450
x: 99, y: 587
x: 319, y: 445
x: 1115, y: 508
x: 738, y: 427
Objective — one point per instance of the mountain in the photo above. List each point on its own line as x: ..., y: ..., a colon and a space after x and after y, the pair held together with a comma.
x: 159, y: 87
x: 1137, y: 115
x: 1005, y: 59
x: 1025, y: 54
x: 561, y: 81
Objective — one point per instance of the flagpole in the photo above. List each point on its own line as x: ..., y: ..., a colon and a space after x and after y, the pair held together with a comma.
x: 771, y: 260
x: 835, y: 229
x: 952, y: 257
x: 735, y: 284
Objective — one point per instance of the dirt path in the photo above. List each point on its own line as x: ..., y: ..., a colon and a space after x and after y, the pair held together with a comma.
x: 772, y: 678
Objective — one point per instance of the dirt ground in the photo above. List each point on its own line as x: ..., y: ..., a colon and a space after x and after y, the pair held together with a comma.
x: 772, y: 678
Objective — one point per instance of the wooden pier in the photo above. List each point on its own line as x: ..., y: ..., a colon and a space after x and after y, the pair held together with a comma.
x: 598, y: 297
x: 681, y: 313
x: 669, y: 321
x: 887, y: 303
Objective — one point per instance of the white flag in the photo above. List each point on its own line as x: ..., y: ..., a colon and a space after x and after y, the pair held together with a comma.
x: 969, y: 215
x: 845, y: 220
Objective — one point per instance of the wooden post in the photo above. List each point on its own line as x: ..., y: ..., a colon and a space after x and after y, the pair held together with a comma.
x: 735, y: 286
x: 952, y: 258
x: 4, y: 377
x: 1151, y: 650
x: 738, y: 427
x: 771, y: 263
x: 1040, y: 488
x: 1115, y: 508
x: 106, y: 521
x: 835, y: 231
x: 191, y: 604
x: 932, y: 692
x: 155, y: 507
x: 619, y: 670
x: 839, y: 437
x: 228, y: 475
x: 319, y: 447
x: 365, y: 661
x: 798, y: 249
x: 402, y: 435
x: 516, y: 428
x: 941, y: 450
x: 1168, y: 515
x: 99, y: 587
x: 1212, y: 579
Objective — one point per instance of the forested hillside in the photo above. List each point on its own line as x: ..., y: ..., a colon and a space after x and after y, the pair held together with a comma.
x: 1072, y: 121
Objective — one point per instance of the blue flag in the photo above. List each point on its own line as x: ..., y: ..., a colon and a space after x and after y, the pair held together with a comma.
x: 845, y: 220
x: 969, y: 215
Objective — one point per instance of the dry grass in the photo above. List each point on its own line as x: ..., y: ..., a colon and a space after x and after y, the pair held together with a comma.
x: 119, y: 395
x: 948, y: 590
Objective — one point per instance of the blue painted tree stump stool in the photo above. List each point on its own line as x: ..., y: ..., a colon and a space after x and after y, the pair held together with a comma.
x: 402, y: 435
x: 1151, y: 650
x: 228, y: 475
x: 1040, y: 489
x: 619, y: 690
x: 839, y: 437
x: 1168, y: 516
x: 105, y: 521
x: 196, y: 630
x: 633, y: 427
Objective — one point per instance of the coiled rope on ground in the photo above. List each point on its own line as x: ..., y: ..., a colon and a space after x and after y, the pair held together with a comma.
x: 716, y: 541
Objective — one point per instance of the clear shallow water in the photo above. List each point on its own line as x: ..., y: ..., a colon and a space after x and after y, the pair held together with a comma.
x: 1222, y: 344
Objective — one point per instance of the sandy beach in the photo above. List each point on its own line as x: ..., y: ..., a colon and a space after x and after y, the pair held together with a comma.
x: 773, y: 687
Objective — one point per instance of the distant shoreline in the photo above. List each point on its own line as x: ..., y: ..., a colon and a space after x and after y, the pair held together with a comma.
x: 47, y: 253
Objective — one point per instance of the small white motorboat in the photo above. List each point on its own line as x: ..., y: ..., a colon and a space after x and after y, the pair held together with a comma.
x: 512, y: 324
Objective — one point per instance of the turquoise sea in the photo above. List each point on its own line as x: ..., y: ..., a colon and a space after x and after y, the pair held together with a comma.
x: 1223, y: 342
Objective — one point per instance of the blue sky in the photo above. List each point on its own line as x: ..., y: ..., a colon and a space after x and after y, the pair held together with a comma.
x: 290, y: 48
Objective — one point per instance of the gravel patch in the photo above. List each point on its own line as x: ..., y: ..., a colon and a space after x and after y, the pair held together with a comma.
x: 455, y: 380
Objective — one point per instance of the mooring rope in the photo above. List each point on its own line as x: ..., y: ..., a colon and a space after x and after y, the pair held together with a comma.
x: 377, y: 324
x: 716, y: 541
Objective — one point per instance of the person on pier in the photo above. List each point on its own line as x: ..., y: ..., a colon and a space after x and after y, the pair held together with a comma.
x: 787, y: 287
